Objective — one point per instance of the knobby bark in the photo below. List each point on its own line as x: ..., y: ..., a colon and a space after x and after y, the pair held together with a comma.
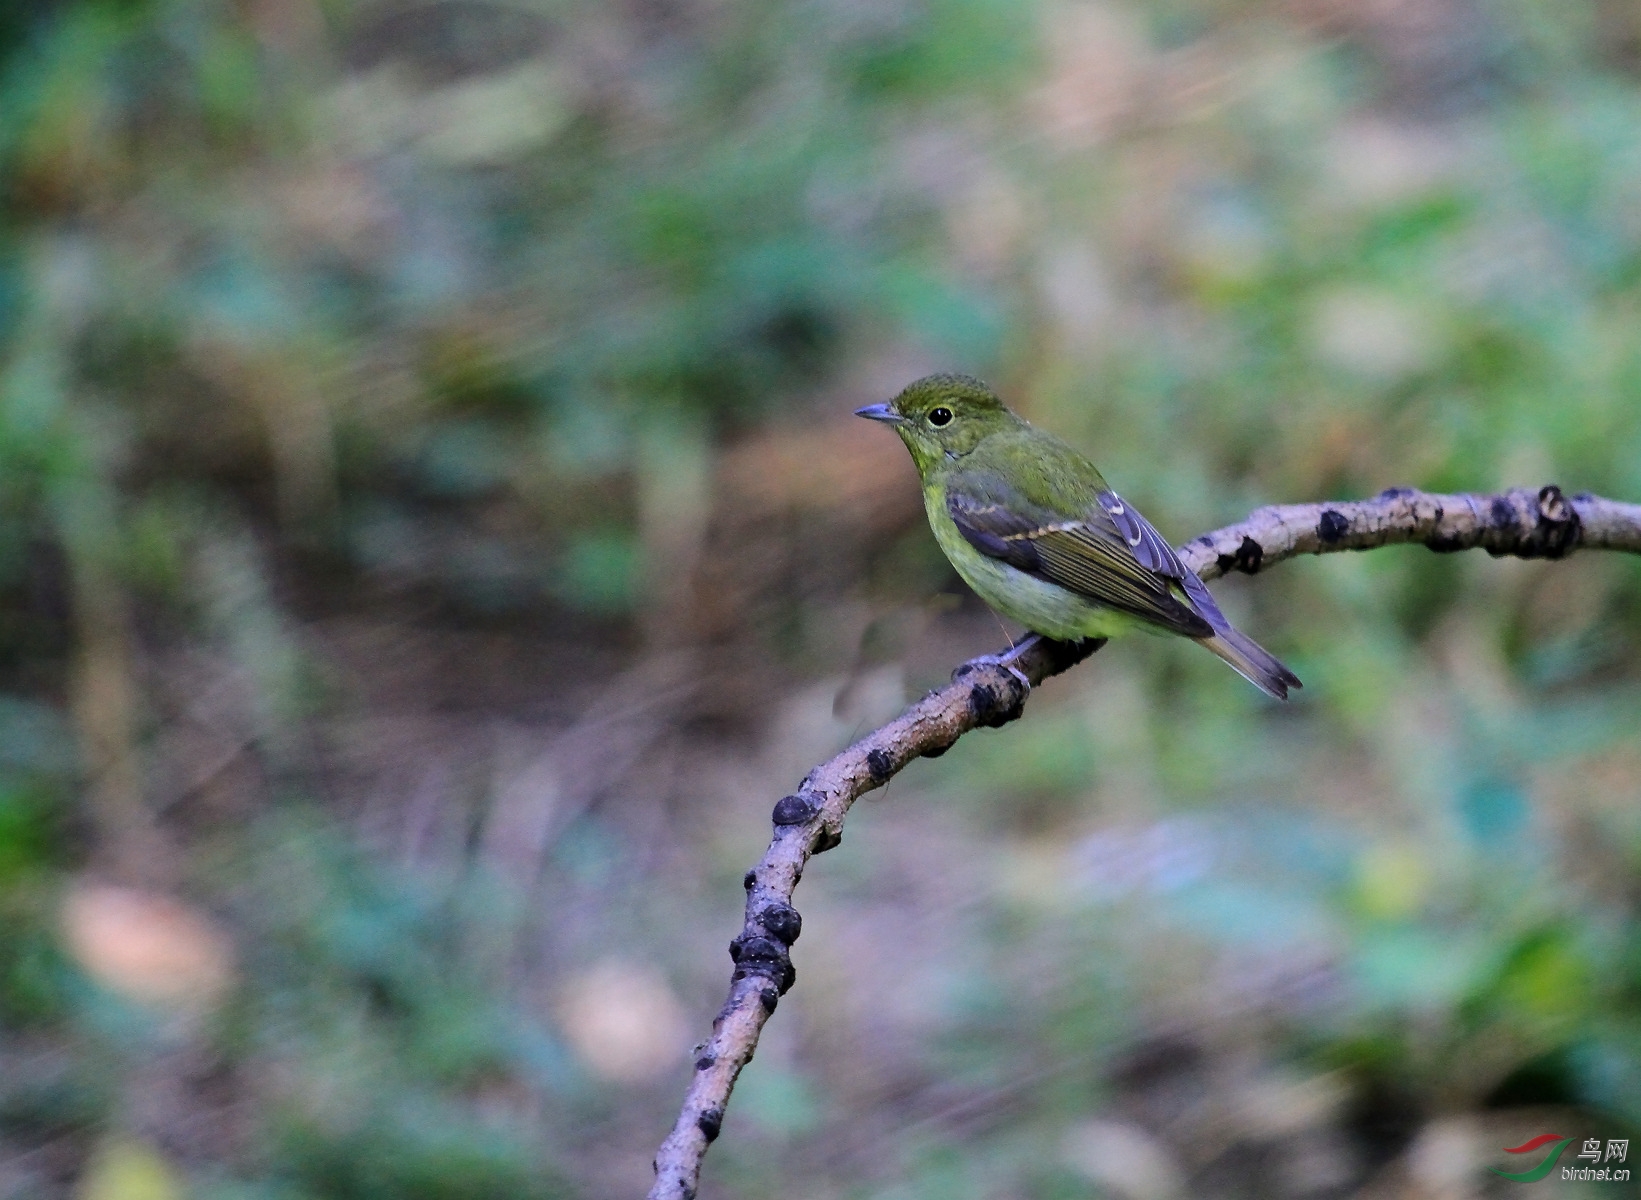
x: 1520, y: 523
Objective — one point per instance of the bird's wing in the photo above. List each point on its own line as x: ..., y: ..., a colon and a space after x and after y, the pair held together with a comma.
x: 1148, y: 546
x: 1089, y: 554
x: 1152, y: 550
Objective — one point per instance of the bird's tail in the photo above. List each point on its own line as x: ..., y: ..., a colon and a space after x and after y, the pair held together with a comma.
x: 1247, y: 657
x: 1252, y: 661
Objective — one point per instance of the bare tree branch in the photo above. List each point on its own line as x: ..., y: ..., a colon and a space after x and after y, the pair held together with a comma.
x: 1520, y: 523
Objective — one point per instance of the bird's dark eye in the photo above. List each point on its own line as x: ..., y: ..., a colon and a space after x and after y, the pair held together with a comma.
x: 940, y: 416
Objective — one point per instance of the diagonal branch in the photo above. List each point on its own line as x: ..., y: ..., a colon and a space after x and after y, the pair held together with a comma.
x: 1518, y: 523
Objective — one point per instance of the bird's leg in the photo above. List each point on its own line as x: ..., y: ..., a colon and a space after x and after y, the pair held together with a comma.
x: 1006, y: 661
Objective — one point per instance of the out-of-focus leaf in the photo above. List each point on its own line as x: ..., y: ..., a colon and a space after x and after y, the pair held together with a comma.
x: 124, y: 1169
x: 597, y: 572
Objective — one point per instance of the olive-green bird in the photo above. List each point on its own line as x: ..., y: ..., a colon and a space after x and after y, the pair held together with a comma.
x: 1033, y: 528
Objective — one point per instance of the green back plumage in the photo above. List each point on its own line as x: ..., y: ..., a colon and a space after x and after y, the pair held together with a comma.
x: 1043, y: 471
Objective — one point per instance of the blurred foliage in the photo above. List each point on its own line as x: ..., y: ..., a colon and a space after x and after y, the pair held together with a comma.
x: 394, y: 395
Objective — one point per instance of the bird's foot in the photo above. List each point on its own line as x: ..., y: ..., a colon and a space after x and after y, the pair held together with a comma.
x: 1006, y: 661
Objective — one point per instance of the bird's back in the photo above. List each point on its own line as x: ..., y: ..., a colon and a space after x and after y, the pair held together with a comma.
x: 1039, y: 468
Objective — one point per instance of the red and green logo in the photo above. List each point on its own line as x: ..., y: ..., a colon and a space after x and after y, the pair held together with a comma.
x: 1544, y: 1167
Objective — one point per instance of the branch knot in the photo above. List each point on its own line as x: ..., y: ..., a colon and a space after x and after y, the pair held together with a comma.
x: 1558, y: 529
x: 793, y: 810
x: 782, y: 921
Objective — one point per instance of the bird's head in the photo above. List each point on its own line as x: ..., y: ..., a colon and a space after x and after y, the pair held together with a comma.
x: 942, y: 417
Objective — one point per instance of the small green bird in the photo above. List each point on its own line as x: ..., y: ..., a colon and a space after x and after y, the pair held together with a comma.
x: 1033, y: 528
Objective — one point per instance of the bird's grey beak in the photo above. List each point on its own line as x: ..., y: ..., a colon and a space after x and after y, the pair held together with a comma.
x: 880, y: 412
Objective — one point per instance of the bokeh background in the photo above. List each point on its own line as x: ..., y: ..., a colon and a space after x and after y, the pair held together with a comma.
x: 432, y: 534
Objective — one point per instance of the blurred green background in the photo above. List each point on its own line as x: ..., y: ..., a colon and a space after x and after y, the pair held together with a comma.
x: 432, y: 534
